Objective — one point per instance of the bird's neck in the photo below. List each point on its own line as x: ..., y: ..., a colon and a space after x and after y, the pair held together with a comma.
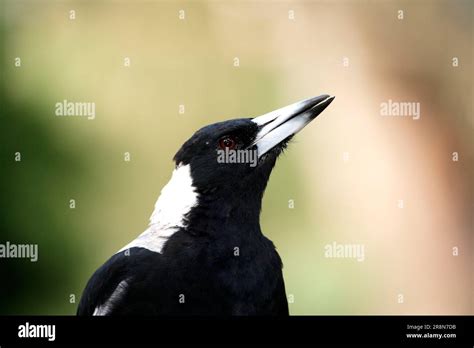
x: 212, y: 211
x: 223, y: 213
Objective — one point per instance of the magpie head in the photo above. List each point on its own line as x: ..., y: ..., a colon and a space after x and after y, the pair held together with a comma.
x: 237, y: 156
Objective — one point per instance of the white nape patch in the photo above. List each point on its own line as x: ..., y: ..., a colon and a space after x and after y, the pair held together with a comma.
x: 176, y: 200
x: 107, y: 306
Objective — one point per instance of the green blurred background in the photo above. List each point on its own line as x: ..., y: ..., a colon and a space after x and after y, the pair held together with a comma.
x: 345, y: 173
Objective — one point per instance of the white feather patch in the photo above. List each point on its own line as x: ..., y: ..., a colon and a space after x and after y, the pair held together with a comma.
x: 177, y: 198
x: 107, y: 306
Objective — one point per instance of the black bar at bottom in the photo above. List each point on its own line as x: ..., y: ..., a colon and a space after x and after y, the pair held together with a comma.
x: 413, y: 330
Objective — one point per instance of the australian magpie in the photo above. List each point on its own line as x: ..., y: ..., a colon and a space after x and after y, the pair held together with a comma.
x: 204, y: 252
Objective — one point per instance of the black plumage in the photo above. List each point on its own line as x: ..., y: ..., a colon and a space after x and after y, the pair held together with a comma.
x: 217, y: 261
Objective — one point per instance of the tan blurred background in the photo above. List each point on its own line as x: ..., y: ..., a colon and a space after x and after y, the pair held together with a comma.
x: 346, y: 173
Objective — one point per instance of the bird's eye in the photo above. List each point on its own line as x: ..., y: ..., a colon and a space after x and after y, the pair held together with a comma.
x: 228, y: 142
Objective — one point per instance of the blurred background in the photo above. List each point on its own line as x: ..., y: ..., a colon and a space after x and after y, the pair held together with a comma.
x: 159, y: 70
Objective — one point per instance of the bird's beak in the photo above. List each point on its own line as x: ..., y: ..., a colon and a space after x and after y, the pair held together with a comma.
x: 280, y: 124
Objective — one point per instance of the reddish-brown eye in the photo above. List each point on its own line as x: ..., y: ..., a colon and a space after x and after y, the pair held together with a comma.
x: 228, y: 142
